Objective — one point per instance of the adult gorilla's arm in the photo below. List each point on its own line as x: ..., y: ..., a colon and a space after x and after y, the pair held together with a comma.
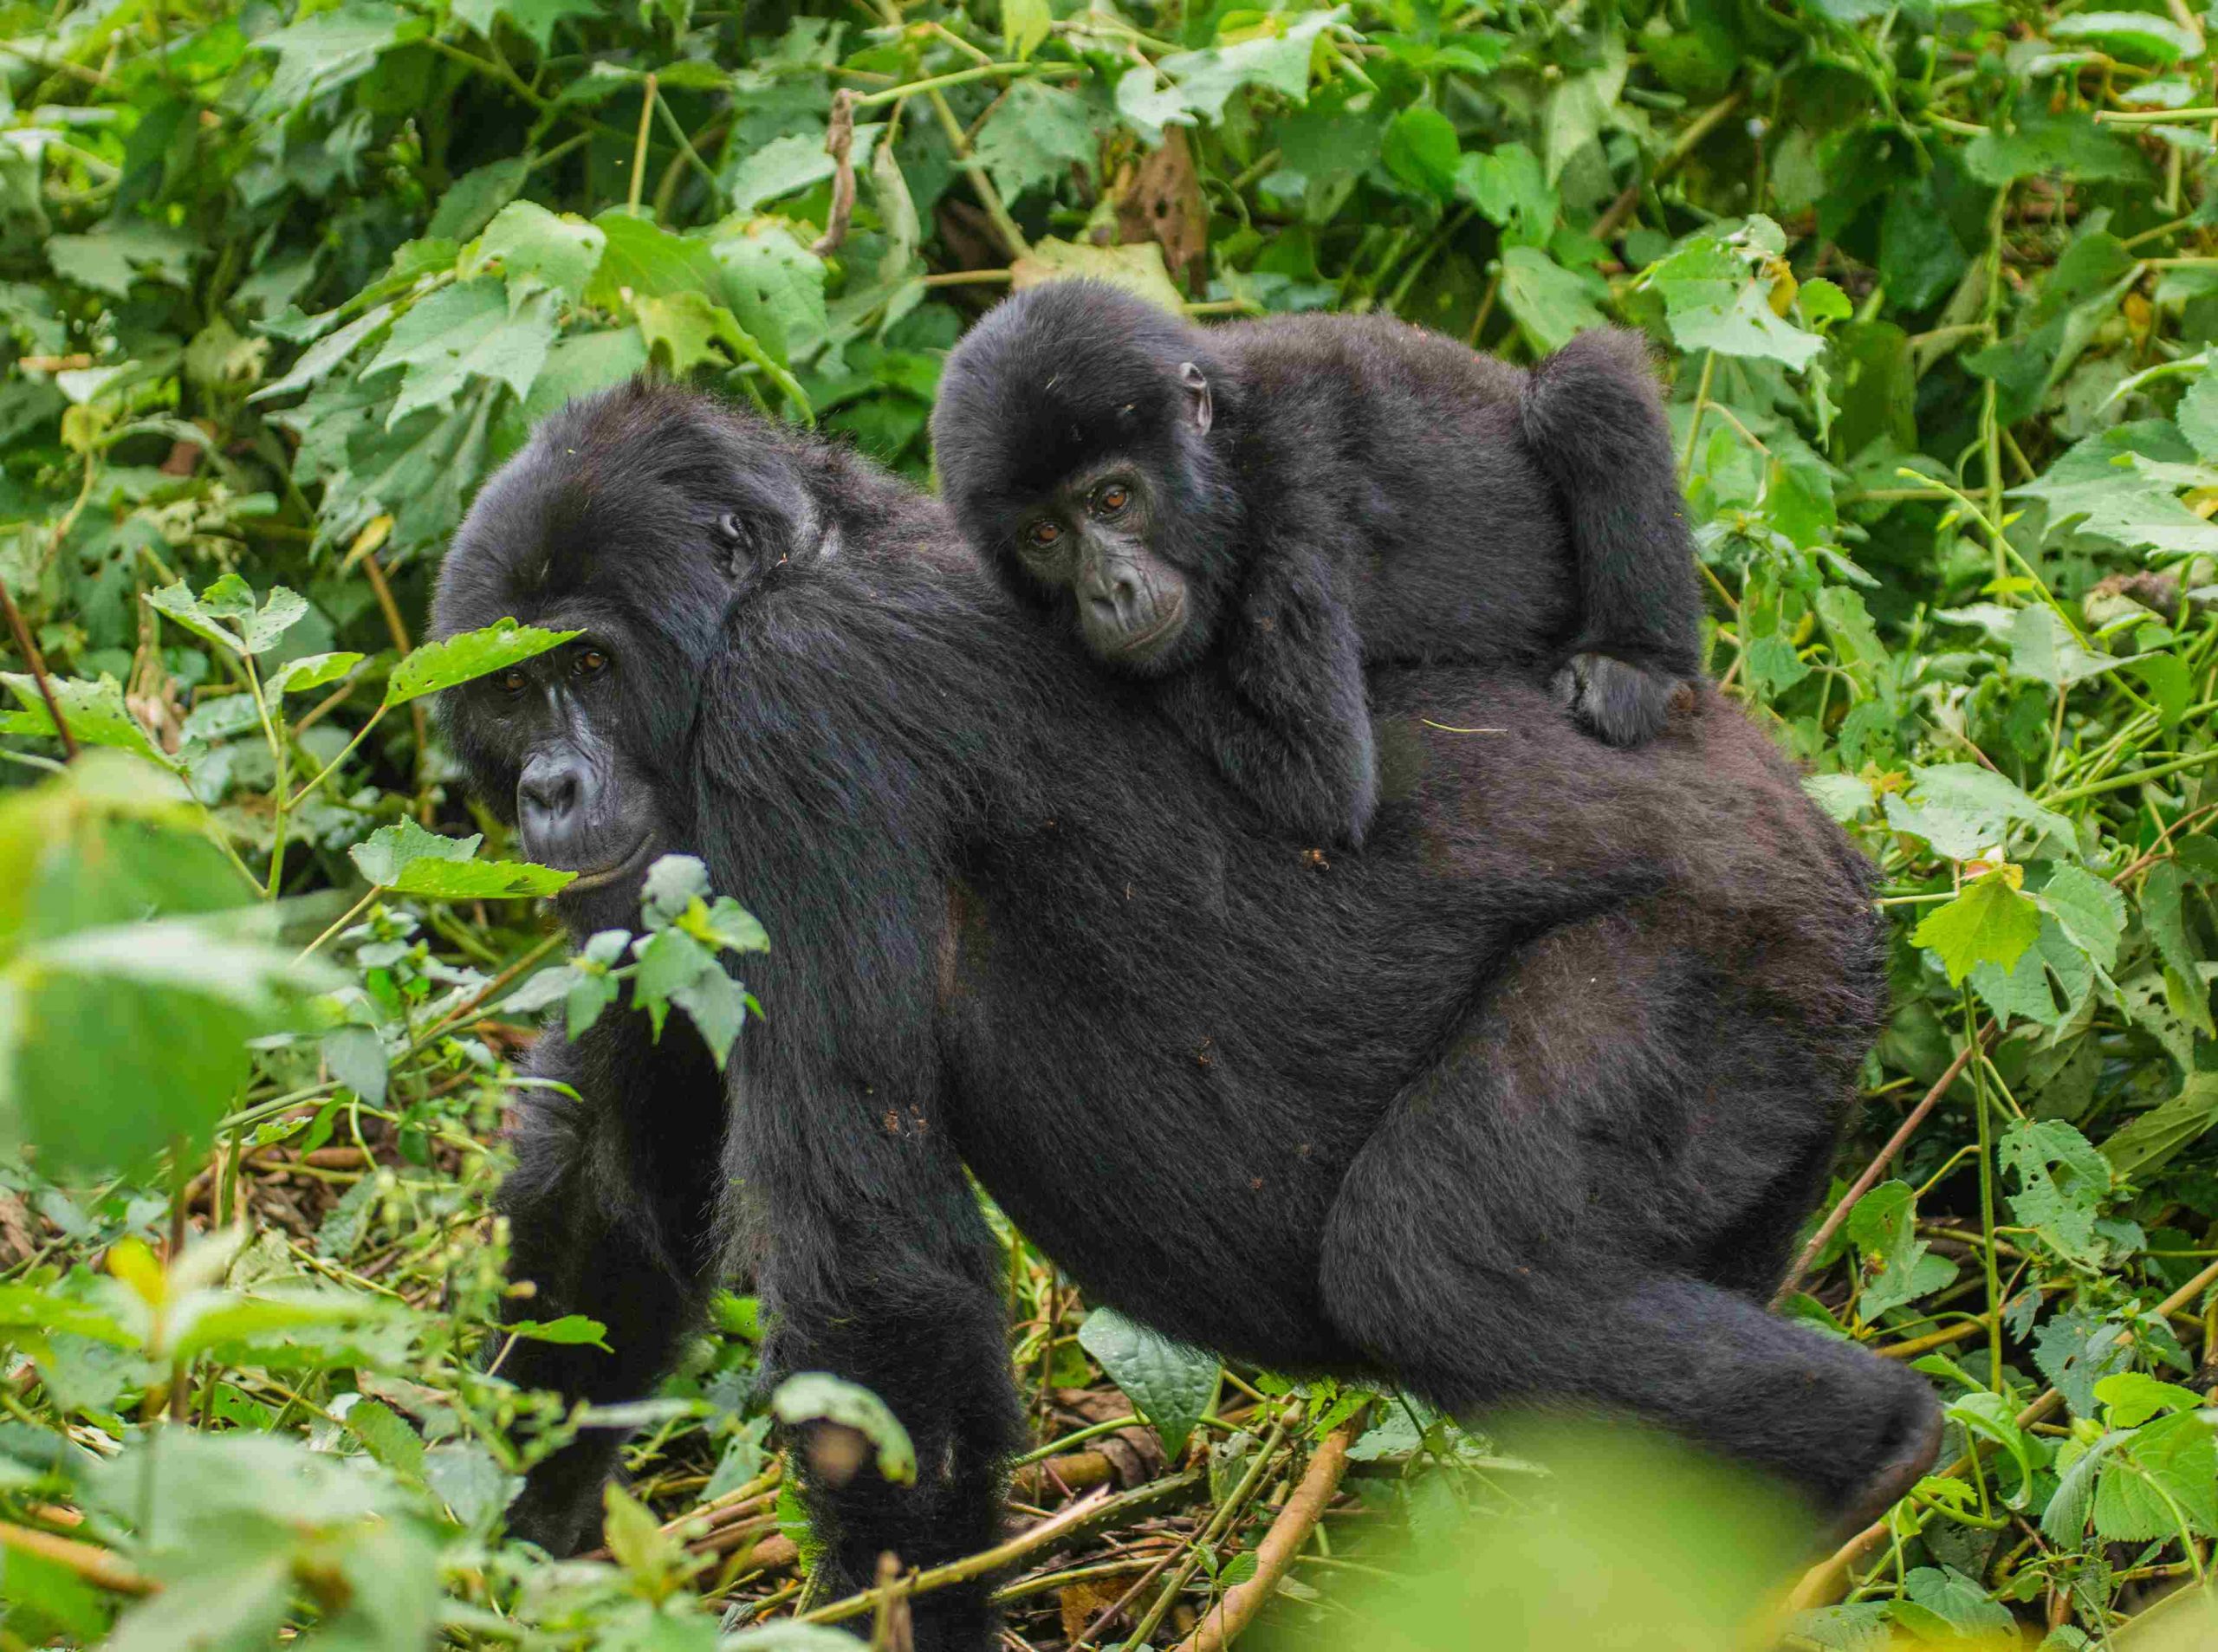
x: 828, y: 775
x: 604, y: 1221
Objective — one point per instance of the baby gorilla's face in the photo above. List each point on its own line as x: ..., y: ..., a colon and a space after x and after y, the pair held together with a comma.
x: 1090, y: 540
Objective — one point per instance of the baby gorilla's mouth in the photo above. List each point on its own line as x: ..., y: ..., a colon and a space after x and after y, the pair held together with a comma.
x: 601, y: 875
x: 1145, y: 642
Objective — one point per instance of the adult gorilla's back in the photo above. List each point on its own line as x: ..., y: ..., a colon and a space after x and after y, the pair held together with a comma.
x: 1524, y: 1101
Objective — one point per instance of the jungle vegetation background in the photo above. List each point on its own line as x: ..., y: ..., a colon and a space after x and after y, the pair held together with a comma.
x: 1937, y: 288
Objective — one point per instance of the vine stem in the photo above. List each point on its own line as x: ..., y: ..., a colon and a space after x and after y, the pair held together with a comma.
x: 37, y: 663
x: 1693, y: 425
x: 970, y: 1567
x: 639, y: 147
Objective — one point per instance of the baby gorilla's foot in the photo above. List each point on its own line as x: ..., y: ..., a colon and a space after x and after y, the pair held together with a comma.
x: 1621, y: 704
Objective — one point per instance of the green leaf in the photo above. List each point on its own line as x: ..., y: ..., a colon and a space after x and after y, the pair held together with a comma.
x: 572, y: 1330
x: 110, y: 259
x: 312, y: 671
x: 2063, y: 1181
x: 2066, y: 145
x: 2130, y: 1398
x: 775, y: 287
x: 2197, y: 414
x: 783, y: 166
x: 2163, y: 913
x: 1508, y: 186
x: 1965, y: 811
x: 468, y: 655
x: 814, y: 1396
x: 1421, y: 150
x: 537, y: 248
x: 1991, y: 1417
x: 1940, y: 1602
x: 1025, y: 23
x: 2147, y: 1141
x: 226, y: 614
x: 2042, y: 648
x: 409, y: 860
x: 2138, y: 36
x: 461, y: 333
x: 1551, y: 305
x: 1034, y: 138
x: 116, y: 1041
x: 582, y: 363
x: 94, y: 711
x: 326, y: 51
x: 1171, y: 1384
x: 641, y: 260
x: 1712, y: 302
x: 2090, y: 909
x: 534, y: 19
x: 1883, y: 1225
x: 1276, y: 57
x: 1137, y: 267
x: 1989, y: 922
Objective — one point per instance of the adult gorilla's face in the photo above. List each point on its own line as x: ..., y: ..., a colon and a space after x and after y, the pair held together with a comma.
x: 580, y: 801
x: 639, y: 545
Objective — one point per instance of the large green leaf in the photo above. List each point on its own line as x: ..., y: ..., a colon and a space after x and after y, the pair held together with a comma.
x: 408, y: 860
x: 1171, y: 1384
x: 468, y: 655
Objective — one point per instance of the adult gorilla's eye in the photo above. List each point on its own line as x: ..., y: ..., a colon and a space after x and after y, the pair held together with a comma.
x: 513, y: 680
x: 1111, y: 497
x: 590, y: 662
x: 1043, y: 534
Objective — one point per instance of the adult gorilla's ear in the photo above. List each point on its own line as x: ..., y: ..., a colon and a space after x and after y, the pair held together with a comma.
x: 1199, y: 408
x: 728, y: 544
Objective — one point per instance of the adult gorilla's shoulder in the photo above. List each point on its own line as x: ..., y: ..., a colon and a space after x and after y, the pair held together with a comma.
x: 1526, y: 1099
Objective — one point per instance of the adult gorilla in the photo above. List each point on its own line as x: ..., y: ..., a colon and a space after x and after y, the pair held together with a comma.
x: 1523, y: 1102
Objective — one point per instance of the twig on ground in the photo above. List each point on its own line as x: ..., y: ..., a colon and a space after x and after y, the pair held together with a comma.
x: 1280, y: 1544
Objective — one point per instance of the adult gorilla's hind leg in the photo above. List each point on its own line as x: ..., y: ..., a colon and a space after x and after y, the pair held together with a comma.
x: 1523, y: 1229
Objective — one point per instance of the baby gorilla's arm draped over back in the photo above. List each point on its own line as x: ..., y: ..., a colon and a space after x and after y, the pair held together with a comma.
x: 1279, y: 704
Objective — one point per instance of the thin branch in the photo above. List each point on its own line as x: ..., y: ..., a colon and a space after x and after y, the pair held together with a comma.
x: 1280, y: 1544
x: 36, y: 662
x: 839, y: 144
x: 1872, y: 1171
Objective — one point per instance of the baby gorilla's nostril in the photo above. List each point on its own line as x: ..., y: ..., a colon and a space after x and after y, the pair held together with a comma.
x: 1128, y: 600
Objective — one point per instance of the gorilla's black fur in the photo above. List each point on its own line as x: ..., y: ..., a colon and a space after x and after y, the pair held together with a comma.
x: 1524, y: 1102
x: 1298, y: 497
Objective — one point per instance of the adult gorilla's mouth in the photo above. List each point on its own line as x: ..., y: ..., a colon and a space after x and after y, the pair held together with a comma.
x: 608, y: 874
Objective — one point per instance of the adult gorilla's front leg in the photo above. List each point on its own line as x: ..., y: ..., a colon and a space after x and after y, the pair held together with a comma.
x: 608, y: 1212
x: 875, y: 1264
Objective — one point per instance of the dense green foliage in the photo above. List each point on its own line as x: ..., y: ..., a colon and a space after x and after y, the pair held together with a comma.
x: 280, y: 284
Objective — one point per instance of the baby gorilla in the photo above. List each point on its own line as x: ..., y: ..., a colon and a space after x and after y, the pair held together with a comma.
x: 1248, y: 515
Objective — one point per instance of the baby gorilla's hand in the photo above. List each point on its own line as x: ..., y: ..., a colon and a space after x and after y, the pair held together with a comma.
x: 1622, y: 704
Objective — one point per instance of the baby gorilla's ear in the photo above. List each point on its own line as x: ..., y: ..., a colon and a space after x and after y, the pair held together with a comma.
x: 1197, y: 385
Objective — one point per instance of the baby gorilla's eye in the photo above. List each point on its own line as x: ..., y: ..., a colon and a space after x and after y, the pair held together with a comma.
x: 590, y: 662
x: 1043, y: 534
x: 513, y: 680
x: 1111, y: 497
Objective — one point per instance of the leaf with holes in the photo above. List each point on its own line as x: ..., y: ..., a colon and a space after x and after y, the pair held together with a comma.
x: 468, y: 655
